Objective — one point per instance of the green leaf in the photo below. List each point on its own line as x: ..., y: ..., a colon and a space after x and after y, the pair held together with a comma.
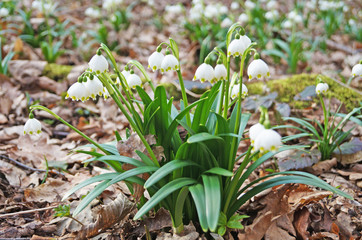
x: 101, y: 177
x: 133, y: 172
x: 198, y: 194
x: 167, y: 169
x: 174, y: 48
x: 222, y: 219
x: 212, y: 199
x: 164, y: 192
x: 219, y: 171
x: 118, y: 158
x: 203, y: 136
x: 221, y: 230
x: 234, y: 225
x: 145, y: 158
x: 92, y: 195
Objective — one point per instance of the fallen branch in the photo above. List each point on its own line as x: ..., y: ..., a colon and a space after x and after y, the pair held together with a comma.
x: 26, y: 212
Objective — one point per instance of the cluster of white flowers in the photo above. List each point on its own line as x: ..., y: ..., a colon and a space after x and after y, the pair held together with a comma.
x: 292, y: 19
x: 92, y: 12
x: 40, y: 6
x: 4, y: 12
x: 109, y: 4
x: 32, y: 126
x: 235, y: 91
x: 357, y: 70
x: 158, y: 61
x: 321, y: 88
x: 205, y: 72
x: 264, y: 139
x: 211, y: 11
x: 330, y: 5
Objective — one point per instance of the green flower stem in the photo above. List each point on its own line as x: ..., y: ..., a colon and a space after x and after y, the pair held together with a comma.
x: 326, y: 116
x: 184, y: 96
x: 232, y: 187
x: 143, y: 71
x: 226, y: 88
x: 115, y: 165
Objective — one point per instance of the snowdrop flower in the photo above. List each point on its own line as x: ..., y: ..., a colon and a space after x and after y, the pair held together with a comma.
x: 78, y: 91
x: 357, y: 70
x: 294, y: 17
x: 234, y: 6
x: 93, y: 13
x: 223, y: 9
x: 238, y: 46
x: 287, y: 24
x: 254, y: 131
x: 169, y: 62
x: 235, y: 91
x: 271, y: 14
x: 205, y: 72
x: 271, y: 5
x: 249, y: 5
x: 243, y: 18
x: 174, y: 9
x: 220, y: 72
x: 226, y: 23
x: 155, y: 60
x: 4, y: 12
x: 133, y: 80
x: 321, y: 88
x: 211, y: 11
x: 32, y: 126
x: 98, y: 64
x: 196, y: 11
x: 109, y: 4
x: 267, y: 140
x: 94, y: 86
x: 258, y: 68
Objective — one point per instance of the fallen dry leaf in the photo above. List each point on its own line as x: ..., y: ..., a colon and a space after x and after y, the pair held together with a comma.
x: 26, y: 72
x: 301, y: 222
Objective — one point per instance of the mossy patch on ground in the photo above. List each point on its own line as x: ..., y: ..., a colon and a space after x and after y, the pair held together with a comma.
x: 56, y: 72
x: 287, y: 88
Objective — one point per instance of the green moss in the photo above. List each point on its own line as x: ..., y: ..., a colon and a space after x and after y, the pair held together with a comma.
x: 56, y: 72
x: 287, y: 88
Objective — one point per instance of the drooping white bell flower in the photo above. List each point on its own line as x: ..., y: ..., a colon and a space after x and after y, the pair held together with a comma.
x: 4, y: 12
x: 95, y: 87
x: 236, y: 48
x: 249, y: 4
x: 227, y: 22
x: 243, y: 18
x: 234, y: 6
x: 78, y: 91
x: 32, y: 126
x: 257, y: 69
x: 92, y: 12
x: 235, y: 91
x: 169, y: 62
x: 98, y: 64
x: 220, y: 72
x: 268, y: 140
x: 205, y: 72
x: 254, y: 131
x: 357, y: 70
x: 246, y: 40
x: 321, y: 88
x: 155, y: 60
x: 133, y: 80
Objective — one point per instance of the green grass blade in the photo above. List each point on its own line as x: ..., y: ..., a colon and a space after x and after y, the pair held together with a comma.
x: 133, y: 172
x: 212, y: 200
x: 198, y: 194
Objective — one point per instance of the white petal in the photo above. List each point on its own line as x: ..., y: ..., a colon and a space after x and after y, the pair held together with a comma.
x: 133, y: 80
x: 268, y: 140
x: 155, y: 60
x: 357, y: 70
x: 32, y: 126
x: 169, y: 62
x: 220, y: 72
x: 95, y: 87
x: 205, y: 72
x: 236, y: 47
x: 255, y: 130
x: 258, y: 68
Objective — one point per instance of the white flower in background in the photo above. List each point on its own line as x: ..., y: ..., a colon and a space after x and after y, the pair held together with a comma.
x: 133, y: 80
x: 227, y: 22
x: 169, y: 62
x: 223, y: 9
x: 196, y: 12
x: 311, y: 5
x: 235, y: 91
x: 211, y: 11
x: 92, y: 12
x: 238, y: 46
x: 32, y: 126
x: 220, y: 72
x: 78, y: 91
x: 205, y: 72
x: 249, y: 5
x: 155, y: 60
x: 254, y: 131
x: 94, y: 86
x: 38, y: 5
x: 351, y: 22
x: 4, y: 12
x: 197, y: 2
x: 287, y: 24
x: 109, y: 4
x: 257, y: 69
x: 273, y: 14
x: 235, y: 6
x: 243, y: 18
x: 294, y: 17
x: 321, y: 88
x: 268, y: 140
x: 98, y: 64
x: 357, y: 70
x: 271, y: 5
x: 174, y: 9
